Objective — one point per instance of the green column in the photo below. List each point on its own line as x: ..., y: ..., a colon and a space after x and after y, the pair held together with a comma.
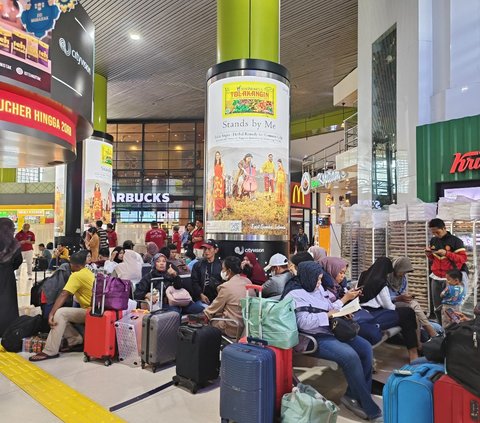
x: 100, y: 103
x: 248, y: 29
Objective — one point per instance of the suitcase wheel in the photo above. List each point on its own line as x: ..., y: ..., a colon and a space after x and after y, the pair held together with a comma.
x: 154, y: 369
x: 143, y: 364
x: 86, y: 358
x: 107, y: 362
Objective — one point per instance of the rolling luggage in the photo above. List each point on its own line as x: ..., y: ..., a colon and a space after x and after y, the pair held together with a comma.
x: 453, y: 403
x: 99, y: 338
x: 408, y: 394
x: 129, y: 337
x: 159, y: 335
x: 198, y: 356
x: 247, y: 388
x: 283, y: 358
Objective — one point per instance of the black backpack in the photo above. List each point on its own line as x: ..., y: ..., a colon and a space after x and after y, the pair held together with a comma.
x: 22, y: 327
x: 462, y: 350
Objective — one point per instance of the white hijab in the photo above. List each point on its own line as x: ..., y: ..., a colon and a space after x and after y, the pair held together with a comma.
x: 130, y: 268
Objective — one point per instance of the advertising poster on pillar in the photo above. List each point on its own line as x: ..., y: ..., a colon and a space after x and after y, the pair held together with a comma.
x: 60, y: 201
x: 49, y: 46
x: 97, y: 195
x: 247, y: 163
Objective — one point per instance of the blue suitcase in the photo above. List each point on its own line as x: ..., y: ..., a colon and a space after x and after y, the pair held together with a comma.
x: 408, y: 393
x: 247, y: 388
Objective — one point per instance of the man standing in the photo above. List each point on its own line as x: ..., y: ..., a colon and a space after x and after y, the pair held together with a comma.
x: 60, y: 319
x: 268, y: 170
x: 206, y: 273
x: 112, y: 237
x: 445, y: 252
x: 300, y: 241
x: 197, y: 239
x: 102, y: 234
x: 26, y: 239
x: 156, y: 235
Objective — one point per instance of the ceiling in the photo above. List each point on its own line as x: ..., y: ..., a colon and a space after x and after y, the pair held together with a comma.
x: 162, y: 75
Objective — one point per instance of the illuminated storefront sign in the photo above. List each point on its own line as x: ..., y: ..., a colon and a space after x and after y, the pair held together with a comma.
x: 297, y: 198
x: 328, y: 177
x: 24, y: 111
x: 465, y: 161
x: 140, y: 197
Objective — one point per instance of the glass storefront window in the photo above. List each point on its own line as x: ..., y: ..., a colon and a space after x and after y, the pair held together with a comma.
x: 158, y: 158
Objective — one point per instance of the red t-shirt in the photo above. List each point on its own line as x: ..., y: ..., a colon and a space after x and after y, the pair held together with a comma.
x: 112, y: 239
x: 25, y: 236
x: 176, y: 239
x: 156, y: 235
x: 197, y: 233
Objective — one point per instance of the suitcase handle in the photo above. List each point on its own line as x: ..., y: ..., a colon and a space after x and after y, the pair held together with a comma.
x: 258, y: 288
x: 257, y: 341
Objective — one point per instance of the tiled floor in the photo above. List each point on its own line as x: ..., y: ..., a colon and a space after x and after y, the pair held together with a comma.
x: 112, y: 385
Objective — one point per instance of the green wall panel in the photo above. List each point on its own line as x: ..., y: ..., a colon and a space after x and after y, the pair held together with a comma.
x: 437, y: 144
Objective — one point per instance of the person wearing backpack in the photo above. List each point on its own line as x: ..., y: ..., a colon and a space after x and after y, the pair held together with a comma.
x: 10, y: 260
x: 60, y: 319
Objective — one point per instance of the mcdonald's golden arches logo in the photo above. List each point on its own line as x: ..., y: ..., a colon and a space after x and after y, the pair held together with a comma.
x: 297, y: 195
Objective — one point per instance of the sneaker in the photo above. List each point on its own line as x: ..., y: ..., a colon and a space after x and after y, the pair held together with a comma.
x: 354, y: 407
x: 378, y: 419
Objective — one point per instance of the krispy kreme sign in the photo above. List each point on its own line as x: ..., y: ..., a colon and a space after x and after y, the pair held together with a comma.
x: 466, y: 161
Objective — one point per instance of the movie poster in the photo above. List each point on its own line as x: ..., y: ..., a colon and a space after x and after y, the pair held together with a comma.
x: 247, y: 163
x: 97, y: 171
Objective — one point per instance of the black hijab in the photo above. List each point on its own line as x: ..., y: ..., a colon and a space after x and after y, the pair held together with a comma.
x: 8, y: 244
x: 308, y: 273
x: 374, y: 279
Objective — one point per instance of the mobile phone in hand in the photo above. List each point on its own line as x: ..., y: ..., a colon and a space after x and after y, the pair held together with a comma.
x: 453, y: 316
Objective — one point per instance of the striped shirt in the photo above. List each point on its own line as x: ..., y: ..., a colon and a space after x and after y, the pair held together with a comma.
x: 102, y: 234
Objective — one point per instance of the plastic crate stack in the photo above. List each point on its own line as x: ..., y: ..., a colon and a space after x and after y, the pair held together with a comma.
x: 417, y: 236
x: 349, y: 247
x: 372, y: 245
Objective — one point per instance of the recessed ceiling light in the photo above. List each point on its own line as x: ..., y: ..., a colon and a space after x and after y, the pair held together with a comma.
x: 135, y: 36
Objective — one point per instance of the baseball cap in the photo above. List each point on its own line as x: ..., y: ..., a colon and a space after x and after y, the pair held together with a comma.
x: 210, y: 243
x: 276, y: 260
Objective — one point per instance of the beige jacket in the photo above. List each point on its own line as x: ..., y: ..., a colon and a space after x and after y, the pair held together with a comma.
x: 227, y: 305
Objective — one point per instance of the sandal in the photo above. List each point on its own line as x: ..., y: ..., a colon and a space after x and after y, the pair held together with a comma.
x: 42, y: 356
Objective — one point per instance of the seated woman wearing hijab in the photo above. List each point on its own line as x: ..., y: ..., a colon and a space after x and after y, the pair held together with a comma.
x: 398, y: 288
x: 376, y: 300
x: 130, y: 269
x: 169, y: 275
x: 354, y: 357
x: 252, y: 269
x: 318, y: 253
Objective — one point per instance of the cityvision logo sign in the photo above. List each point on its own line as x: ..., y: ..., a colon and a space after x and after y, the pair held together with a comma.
x: 66, y: 47
x: 241, y: 250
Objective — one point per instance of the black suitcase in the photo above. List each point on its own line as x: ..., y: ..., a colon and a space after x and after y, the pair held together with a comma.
x: 198, y: 356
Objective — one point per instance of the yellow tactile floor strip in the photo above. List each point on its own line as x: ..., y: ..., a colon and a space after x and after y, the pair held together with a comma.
x: 57, y: 397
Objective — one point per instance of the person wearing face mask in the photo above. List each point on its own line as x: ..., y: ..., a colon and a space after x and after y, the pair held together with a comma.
x: 227, y: 302
x: 280, y: 275
x: 355, y: 357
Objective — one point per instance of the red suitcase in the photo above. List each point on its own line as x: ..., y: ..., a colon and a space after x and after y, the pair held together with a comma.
x: 99, y: 339
x: 452, y: 403
x: 283, y: 363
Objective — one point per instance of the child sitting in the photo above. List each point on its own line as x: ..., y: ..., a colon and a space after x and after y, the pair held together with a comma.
x: 452, y: 296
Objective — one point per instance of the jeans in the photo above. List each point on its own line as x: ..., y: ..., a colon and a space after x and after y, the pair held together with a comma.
x: 380, y: 320
x: 193, y: 308
x: 403, y: 317
x: 436, y: 288
x: 355, y: 358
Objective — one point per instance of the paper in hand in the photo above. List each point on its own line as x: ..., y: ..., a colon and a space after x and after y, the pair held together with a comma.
x: 349, y: 308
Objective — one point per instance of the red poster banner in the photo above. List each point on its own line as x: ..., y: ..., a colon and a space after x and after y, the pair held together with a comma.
x: 20, y: 110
